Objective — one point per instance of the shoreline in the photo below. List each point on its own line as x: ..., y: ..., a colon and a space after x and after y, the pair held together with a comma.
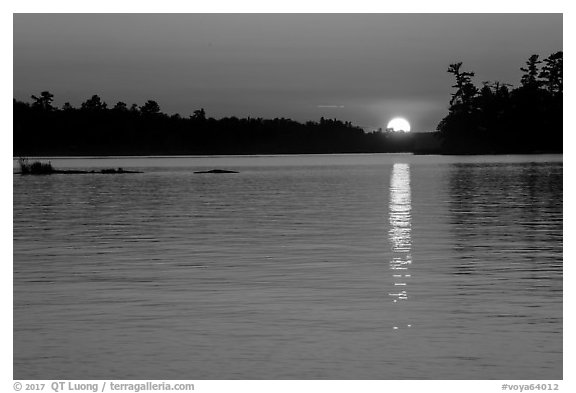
x: 105, y: 156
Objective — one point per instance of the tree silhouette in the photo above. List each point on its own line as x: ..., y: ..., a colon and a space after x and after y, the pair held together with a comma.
x: 199, y: 115
x: 43, y: 102
x: 94, y: 104
x: 552, y: 73
x: 460, y: 126
x: 465, y: 90
x: 150, y: 108
x: 530, y: 78
x: 120, y: 107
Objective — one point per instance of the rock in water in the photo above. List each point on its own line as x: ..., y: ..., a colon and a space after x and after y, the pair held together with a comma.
x: 217, y: 171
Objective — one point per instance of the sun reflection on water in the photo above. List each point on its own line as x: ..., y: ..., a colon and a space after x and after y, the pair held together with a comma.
x: 400, y: 235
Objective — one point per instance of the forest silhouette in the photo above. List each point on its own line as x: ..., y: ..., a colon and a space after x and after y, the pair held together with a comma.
x: 496, y: 119
x: 492, y: 119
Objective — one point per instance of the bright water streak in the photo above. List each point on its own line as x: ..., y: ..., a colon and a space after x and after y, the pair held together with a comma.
x: 400, y: 231
x: 291, y: 269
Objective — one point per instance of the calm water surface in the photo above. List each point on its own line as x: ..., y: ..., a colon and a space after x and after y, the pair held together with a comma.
x: 298, y: 267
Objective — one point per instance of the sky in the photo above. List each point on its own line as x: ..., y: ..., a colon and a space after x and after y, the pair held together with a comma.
x: 363, y: 68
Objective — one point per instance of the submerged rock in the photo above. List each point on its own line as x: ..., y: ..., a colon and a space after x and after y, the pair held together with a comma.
x: 217, y: 171
x: 119, y: 170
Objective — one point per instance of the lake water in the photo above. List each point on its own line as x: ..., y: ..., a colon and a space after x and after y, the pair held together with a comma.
x: 298, y: 267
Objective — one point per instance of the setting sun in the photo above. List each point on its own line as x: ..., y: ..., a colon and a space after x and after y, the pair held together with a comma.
x: 399, y: 124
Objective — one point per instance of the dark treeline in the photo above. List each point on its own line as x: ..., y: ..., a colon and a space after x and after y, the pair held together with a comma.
x: 492, y: 119
x: 496, y: 118
x: 40, y: 128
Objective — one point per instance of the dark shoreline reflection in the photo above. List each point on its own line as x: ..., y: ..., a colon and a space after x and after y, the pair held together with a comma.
x: 400, y: 236
x: 506, y: 222
x: 525, y: 216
